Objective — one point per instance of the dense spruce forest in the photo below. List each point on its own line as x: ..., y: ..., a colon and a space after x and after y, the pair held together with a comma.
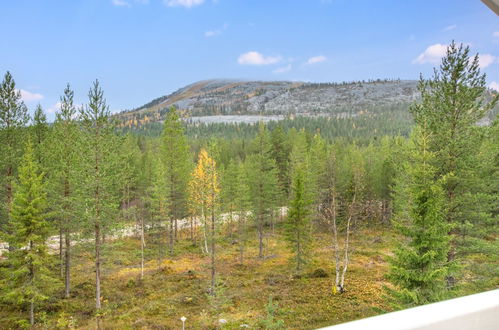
x: 293, y: 224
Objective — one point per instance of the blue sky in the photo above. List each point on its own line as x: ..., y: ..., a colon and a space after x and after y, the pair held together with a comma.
x: 143, y: 49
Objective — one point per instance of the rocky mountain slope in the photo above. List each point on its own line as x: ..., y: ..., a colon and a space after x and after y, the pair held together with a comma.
x: 231, y: 97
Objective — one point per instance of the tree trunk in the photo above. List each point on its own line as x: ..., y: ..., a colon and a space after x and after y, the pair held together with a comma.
x: 67, y: 263
x: 260, y: 238
x: 192, y: 230
x: 205, y: 229
x: 241, y: 239
x: 142, y: 246
x: 32, y: 313
x: 172, y: 234
x: 347, y: 242
x: 176, y: 229
x: 31, y: 277
x: 298, y: 252
x: 213, y: 250
x: 336, y: 246
x: 97, y: 266
x: 61, y: 251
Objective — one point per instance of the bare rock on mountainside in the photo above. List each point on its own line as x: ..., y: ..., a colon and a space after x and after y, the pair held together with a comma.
x: 231, y: 97
x: 280, y: 98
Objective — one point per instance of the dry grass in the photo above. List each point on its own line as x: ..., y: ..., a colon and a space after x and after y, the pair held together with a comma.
x: 179, y: 285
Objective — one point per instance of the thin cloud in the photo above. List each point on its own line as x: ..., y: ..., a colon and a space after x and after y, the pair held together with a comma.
x: 450, y: 27
x: 128, y: 3
x: 494, y: 85
x: 316, y: 59
x: 283, y: 69
x: 183, y: 3
x: 216, y: 32
x: 432, y: 54
x: 495, y: 34
x: 120, y: 3
x: 485, y: 60
x: 53, y: 109
x: 255, y: 58
x: 29, y: 96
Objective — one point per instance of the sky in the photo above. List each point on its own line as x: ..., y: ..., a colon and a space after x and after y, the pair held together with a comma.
x: 143, y: 49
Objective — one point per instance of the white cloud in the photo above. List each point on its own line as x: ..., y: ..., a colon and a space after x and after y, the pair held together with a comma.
x: 282, y: 69
x: 450, y: 27
x: 183, y: 3
x: 53, y: 109
x: 495, y: 34
x: 30, y: 97
x: 212, y: 33
x: 57, y: 107
x: 316, y: 59
x: 432, y: 54
x: 120, y: 3
x: 255, y: 58
x: 128, y: 3
x: 485, y: 60
x: 494, y: 85
x: 216, y: 32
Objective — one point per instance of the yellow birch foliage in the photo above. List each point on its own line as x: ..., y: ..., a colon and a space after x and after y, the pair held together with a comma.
x: 203, y: 187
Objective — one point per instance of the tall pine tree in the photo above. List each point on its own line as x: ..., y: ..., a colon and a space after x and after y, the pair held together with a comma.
x: 13, y: 119
x: 452, y: 102
x: 64, y: 157
x: 419, y: 265
x: 262, y: 179
x: 99, y: 188
x: 177, y: 162
x: 28, y: 281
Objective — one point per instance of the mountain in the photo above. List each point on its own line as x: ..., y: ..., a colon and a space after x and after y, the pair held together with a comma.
x: 237, y: 97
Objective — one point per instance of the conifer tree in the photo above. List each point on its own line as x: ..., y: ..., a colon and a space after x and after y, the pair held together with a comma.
x: 243, y: 206
x: 280, y: 152
x: 262, y: 179
x: 452, y: 102
x: 40, y: 131
x: 64, y: 157
x: 300, y: 203
x: 419, y: 266
x: 28, y: 281
x: 99, y: 188
x: 13, y: 118
x: 229, y: 192
x: 298, y: 221
x: 176, y: 158
x: 159, y: 202
x: 317, y: 168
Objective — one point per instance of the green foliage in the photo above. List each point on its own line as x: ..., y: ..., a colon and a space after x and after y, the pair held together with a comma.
x: 13, y: 119
x: 271, y: 321
x: 27, y: 279
x: 262, y: 181
x: 300, y: 205
x: 452, y: 102
x: 298, y: 220
x: 176, y: 158
x: 100, y: 165
x: 419, y: 266
x: 281, y: 150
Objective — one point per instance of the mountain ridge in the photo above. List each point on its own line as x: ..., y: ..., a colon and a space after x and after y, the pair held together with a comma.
x: 247, y: 97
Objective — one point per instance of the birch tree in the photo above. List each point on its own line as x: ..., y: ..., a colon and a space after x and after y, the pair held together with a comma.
x: 205, y: 191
